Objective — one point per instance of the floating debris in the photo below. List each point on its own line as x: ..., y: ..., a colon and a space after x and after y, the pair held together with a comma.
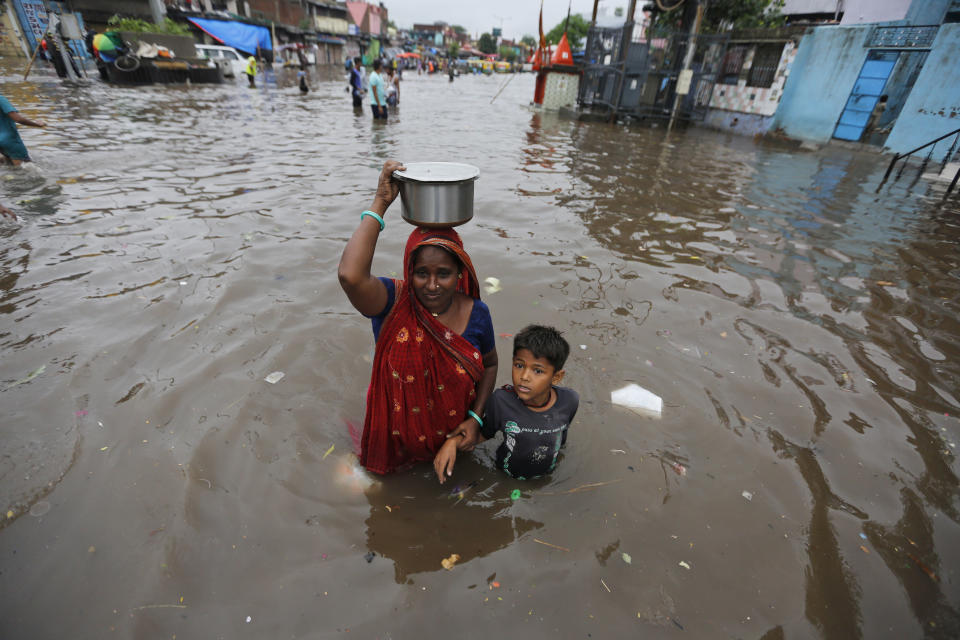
x: 515, y: 494
x: 448, y: 563
x: 275, y: 377
x: 369, y: 556
x: 583, y: 487
x: 605, y: 585
x: 33, y: 374
x: 492, y: 285
x: 552, y: 546
x: 684, y: 565
x: 922, y: 566
x: 747, y: 495
x: 329, y: 451
x: 634, y: 396
x: 626, y: 558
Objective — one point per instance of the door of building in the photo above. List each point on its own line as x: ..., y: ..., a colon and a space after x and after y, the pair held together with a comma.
x: 866, y: 93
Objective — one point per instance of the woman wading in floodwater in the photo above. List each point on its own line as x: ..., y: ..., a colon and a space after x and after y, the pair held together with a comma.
x: 436, y: 362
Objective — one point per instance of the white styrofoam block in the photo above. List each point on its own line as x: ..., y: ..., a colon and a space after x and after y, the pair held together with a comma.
x: 636, y: 397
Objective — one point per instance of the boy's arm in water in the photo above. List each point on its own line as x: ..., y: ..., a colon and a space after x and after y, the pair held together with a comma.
x: 19, y: 119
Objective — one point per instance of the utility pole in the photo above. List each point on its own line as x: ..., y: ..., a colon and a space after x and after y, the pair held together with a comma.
x: 158, y: 11
x: 500, y: 37
x: 695, y: 11
x: 625, y: 41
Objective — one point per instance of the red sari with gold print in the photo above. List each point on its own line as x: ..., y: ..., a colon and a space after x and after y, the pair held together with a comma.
x: 424, y: 375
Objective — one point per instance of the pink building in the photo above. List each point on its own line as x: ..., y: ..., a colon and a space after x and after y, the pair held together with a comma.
x: 369, y: 18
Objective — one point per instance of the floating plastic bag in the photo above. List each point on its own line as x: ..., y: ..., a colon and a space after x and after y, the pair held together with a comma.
x: 636, y: 397
x: 275, y: 377
x: 492, y: 285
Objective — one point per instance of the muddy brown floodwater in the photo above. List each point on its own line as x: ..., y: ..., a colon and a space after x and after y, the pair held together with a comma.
x: 178, y: 244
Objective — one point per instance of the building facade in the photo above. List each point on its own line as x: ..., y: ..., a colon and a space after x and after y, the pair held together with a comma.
x: 894, y: 84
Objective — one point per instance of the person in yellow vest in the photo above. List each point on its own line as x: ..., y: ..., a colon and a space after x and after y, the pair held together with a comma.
x: 251, y: 71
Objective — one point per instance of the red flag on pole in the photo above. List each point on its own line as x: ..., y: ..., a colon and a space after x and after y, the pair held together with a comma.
x: 543, y: 40
x: 542, y: 50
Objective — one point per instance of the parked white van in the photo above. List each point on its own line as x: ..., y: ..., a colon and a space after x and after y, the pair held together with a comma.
x: 227, y: 58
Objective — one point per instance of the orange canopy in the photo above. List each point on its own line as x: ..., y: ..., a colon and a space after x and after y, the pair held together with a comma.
x: 562, y: 55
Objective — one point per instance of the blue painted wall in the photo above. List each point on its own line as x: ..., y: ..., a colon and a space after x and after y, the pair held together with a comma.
x: 933, y: 107
x: 821, y: 77
x: 926, y: 12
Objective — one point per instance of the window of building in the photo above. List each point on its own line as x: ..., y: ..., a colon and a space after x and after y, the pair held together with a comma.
x: 766, y: 59
x: 732, y: 64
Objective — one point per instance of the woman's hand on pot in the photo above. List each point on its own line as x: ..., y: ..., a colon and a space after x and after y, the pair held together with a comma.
x: 387, y: 187
x: 467, y: 434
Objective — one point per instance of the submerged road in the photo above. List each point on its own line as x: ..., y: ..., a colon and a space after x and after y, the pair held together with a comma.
x: 178, y: 244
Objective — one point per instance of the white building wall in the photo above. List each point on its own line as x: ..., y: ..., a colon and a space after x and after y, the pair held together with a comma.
x: 854, y: 11
x: 866, y: 11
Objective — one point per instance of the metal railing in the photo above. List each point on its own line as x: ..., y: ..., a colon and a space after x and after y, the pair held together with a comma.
x: 932, y: 144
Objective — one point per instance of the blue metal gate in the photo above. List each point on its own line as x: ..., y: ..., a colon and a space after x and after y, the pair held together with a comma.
x: 866, y: 92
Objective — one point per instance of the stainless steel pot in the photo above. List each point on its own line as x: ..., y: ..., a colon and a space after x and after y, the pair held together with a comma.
x: 437, y: 194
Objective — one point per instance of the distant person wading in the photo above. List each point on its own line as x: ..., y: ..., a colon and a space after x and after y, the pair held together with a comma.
x: 251, y: 71
x: 378, y: 93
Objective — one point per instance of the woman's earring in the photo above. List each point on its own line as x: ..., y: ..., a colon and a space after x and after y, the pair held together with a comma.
x: 459, y: 276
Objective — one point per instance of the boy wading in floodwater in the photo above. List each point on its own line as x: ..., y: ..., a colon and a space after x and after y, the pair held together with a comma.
x: 533, y: 413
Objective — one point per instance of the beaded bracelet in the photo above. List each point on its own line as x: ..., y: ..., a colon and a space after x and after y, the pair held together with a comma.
x: 375, y: 216
x: 474, y: 416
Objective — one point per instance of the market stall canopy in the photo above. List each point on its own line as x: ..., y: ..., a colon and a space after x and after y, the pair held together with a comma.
x: 244, y: 37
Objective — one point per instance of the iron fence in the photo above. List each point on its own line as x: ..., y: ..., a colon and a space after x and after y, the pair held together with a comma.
x: 644, y: 83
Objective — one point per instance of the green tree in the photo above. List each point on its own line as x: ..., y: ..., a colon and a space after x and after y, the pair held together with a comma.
x: 576, y: 31
x: 136, y: 25
x: 457, y: 28
x: 487, y: 43
x: 453, y: 50
x: 508, y: 53
x: 529, y: 41
x: 724, y: 15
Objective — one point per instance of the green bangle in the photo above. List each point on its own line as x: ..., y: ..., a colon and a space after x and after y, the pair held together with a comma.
x: 474, y: 416
x: 375, y: 217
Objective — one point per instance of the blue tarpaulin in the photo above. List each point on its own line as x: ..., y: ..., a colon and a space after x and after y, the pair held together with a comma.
x: 245, y: 37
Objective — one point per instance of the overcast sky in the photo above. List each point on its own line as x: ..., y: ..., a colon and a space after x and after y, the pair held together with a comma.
x: 519, y: 17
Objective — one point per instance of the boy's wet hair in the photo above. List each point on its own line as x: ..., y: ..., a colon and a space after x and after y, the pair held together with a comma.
x: 543, y: 342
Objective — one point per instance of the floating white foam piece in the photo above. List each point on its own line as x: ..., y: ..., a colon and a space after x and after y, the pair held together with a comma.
x: 275, y: 377
x: 493, y: 285
x: 636, y: 397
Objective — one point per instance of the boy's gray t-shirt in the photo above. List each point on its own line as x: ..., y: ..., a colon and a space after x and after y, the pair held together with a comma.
x: 531, y: 439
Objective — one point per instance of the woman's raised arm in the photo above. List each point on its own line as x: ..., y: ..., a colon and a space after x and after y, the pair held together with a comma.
x: 366, y: 293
